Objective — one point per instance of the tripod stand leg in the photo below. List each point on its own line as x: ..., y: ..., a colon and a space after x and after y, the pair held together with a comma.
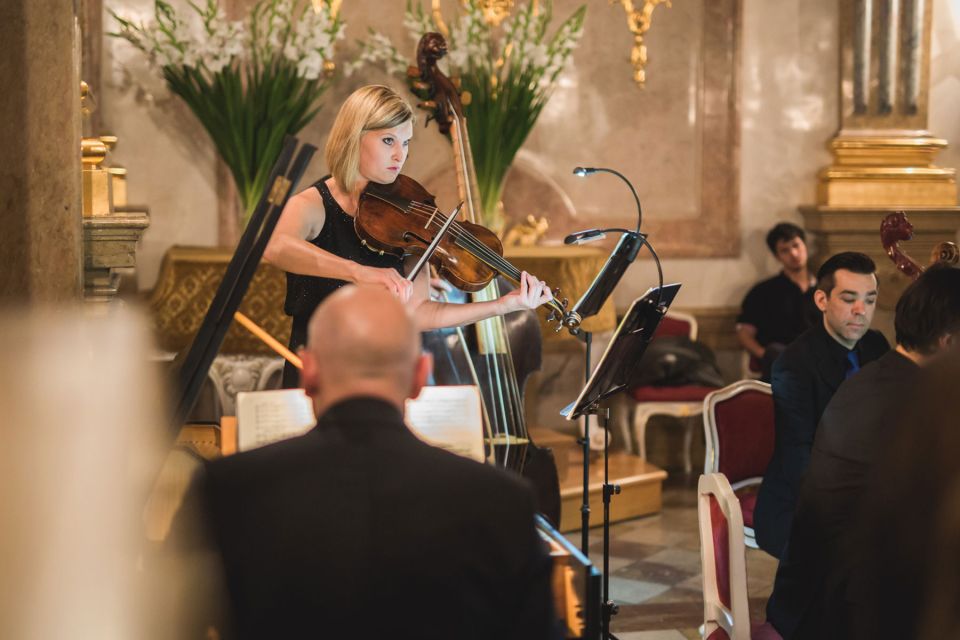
x: 609, y: 608
x: 585, y: 443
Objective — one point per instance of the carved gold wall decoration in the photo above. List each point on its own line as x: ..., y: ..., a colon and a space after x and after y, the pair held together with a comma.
x: 527, y: 233
x: 639, y: 21
x: 188, y: 279
x: 438, y: 20
x: 494, y: 11
x: 334, y: 6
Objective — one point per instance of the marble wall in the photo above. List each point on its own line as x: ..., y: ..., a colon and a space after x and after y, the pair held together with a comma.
x: 786, y: 76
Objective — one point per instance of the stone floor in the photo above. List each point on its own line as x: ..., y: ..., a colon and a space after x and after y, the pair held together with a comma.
x: 655, y: 569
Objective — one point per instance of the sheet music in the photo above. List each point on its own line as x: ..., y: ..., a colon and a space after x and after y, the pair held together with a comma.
x: 445, y: 417
x: 267, y: 416
x: 449, y: 418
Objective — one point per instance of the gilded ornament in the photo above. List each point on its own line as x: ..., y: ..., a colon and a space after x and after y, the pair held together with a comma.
x: 527, y: 233
x: 639, y: 21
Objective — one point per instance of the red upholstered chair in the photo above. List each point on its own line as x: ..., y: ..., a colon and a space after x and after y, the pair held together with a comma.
x: 681, y: 401
x: 726, y: 609
x: 739, y: 434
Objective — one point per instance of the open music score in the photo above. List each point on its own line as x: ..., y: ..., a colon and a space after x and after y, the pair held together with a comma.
x: 268, y: 416
x: 448, y: 417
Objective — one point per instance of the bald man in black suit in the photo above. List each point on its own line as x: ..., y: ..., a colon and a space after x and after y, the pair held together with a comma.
x: 358, y: 529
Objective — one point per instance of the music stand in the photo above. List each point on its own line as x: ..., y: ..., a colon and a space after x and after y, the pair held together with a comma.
x: 616, y: 371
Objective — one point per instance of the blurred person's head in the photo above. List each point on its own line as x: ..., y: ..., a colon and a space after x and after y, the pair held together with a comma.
x: 362, y: 341
x: 788, y: 244
x: 928, y: 313
x: 846, y: 293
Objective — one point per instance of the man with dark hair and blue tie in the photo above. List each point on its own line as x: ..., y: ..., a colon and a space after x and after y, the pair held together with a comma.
x: 807, y: 375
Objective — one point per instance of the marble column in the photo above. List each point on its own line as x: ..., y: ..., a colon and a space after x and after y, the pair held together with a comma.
x: 40, y: 198
x: 883, y: 154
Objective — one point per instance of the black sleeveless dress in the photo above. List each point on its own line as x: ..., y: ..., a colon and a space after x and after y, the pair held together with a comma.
x: 305, y: 293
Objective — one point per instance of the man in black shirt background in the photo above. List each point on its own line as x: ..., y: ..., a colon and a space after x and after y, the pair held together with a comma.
x: 779, y: 309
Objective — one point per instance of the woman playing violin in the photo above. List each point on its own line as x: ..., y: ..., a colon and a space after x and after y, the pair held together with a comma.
x: 315, y: 241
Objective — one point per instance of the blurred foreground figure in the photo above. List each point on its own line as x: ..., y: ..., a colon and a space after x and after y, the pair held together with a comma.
x: 81, y: 419
x: 913, y: 524
x: 358, y: 529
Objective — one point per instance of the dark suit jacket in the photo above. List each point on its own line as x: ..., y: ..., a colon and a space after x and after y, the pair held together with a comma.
x: 814, y: 591
x: 805, y: 377
x: 358, y: 529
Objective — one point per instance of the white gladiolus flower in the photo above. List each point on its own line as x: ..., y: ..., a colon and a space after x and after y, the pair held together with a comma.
x: 310, y: 66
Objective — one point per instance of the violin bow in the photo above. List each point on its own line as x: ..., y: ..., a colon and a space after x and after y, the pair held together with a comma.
x: 432, y: 247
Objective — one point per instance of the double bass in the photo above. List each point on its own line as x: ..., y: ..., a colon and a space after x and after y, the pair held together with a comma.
x: 504, y: 350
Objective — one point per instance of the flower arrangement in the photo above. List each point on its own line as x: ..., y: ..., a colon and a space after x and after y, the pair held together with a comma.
x: 250, y: 84
x: 509, y: 66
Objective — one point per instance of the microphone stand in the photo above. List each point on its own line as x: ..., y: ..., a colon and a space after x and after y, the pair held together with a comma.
x: 590, y: 304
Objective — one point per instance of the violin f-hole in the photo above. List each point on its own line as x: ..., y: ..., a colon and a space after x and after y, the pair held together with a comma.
x: 409, y: 236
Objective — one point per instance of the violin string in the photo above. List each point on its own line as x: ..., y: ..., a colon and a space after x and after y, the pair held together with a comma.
x: 471, y: 243
x: 474, y: 246
x: 493, y: 384
x: 515, y: 399
x: 458, y: 232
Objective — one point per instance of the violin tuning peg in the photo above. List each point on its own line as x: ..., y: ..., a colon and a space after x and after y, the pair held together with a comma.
x: 419, y: 85
x: 428, y: 105
x: 565, y: 303
x: 413, y: 72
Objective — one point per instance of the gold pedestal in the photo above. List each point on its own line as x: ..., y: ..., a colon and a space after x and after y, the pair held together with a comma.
x: 886, y: 170
x: 97, y: 195
x: 109, y: 250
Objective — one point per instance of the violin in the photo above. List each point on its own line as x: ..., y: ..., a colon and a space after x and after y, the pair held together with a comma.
x: 400, y: 218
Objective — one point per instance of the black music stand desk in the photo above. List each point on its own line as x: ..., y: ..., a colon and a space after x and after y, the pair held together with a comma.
x: 616, y: 371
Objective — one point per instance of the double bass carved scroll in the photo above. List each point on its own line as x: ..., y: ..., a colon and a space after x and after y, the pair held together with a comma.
x: 896, y: 228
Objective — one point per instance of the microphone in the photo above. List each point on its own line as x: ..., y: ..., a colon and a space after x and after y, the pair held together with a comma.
x: 589, y: 235
x: 622, y: 257
x: 583, y: 237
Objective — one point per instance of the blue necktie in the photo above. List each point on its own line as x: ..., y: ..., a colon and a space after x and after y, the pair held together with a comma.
x: 853, y: 364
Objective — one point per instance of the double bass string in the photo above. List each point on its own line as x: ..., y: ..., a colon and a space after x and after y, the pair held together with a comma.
x: 507, y: 403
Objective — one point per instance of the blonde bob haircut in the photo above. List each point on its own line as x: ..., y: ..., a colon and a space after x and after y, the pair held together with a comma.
x: 369, y: 108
